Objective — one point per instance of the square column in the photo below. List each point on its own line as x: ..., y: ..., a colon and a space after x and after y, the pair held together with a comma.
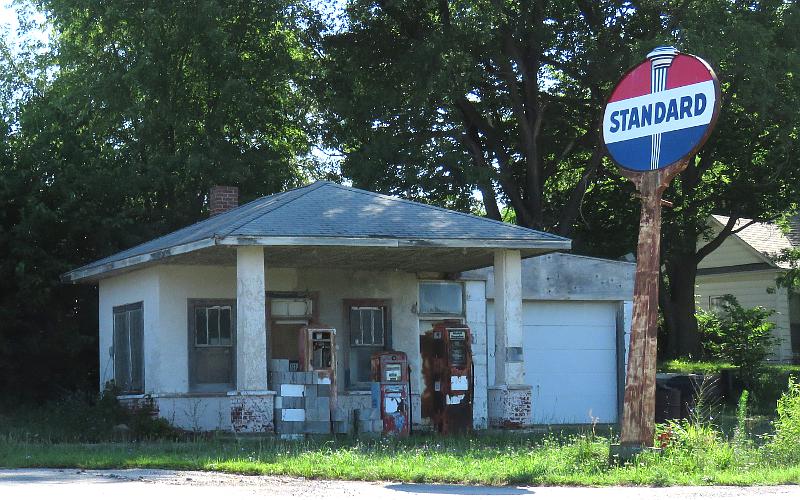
x: 509, y: 399
x: 251, y: 320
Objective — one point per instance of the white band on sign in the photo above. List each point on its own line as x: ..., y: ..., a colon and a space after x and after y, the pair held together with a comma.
x: 666, y: 111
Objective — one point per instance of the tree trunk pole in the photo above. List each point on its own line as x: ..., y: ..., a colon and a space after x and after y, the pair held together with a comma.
x: 638, y: 414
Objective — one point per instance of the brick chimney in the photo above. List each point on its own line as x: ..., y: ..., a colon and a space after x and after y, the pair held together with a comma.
x: 221, y: 199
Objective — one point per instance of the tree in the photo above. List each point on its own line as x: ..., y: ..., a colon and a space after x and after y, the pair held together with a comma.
x: 145, y: 105
x: 435, y: 99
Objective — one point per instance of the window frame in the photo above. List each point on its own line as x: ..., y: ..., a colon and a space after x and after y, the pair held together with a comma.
x: 192, y: 305
x: 127, y: 309
x: 386, y: 306
x: 441, y: 315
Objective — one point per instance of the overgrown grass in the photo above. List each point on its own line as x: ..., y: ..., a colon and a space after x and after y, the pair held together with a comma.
x: 688, y: 366
x: 694, y: 453
x: 482, y: 459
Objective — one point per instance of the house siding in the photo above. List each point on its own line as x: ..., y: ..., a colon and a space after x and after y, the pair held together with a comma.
x: 732, y: 252
x: 752, y: 289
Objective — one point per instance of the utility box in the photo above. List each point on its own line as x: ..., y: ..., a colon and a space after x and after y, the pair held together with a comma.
x: 390, y: 391
x: 448, y: 378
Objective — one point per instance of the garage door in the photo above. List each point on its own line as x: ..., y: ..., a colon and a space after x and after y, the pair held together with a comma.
x: 570, y: 356
x: 570, y: 351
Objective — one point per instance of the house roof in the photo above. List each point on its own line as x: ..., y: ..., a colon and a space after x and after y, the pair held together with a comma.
x: 765, y: 238
x: 325, y: 214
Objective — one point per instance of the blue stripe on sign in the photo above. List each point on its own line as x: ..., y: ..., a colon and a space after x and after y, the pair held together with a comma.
x: 633, y: 154
x: 675, y: 145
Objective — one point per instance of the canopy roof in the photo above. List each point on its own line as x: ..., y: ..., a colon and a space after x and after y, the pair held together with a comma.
x: 330, y: 221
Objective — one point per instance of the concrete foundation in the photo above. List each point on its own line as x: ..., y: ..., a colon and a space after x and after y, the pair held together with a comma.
x: 509, y: 406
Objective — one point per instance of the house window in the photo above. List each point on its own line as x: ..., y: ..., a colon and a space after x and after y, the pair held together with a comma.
x: 441, y: 298
x: 718, y: 303
x: 794, y: 330
x: 369, y: 334
x: 128, y: 348
x: 212, y: 354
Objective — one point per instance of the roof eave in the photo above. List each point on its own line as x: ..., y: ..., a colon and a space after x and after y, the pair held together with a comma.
x: 86, y: 273
x: 282, y: 241
x: 94, y: 272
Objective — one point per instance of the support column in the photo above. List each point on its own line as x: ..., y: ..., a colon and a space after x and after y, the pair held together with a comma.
x: 251, y: 403
x: 509, y: 398
x: 251, y: 320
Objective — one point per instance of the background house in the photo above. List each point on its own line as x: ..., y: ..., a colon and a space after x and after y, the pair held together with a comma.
x: 745, y: 267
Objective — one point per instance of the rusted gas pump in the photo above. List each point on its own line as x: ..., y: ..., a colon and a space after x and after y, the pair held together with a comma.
x: 390, y: 391
x: 447, y: 375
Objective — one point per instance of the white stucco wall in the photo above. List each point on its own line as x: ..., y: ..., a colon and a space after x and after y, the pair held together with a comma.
x: 178, y: 284
x: 136, y: 286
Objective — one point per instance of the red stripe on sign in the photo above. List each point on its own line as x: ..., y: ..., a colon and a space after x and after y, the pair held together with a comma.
x: 686, y: 70
x: 635, y: 83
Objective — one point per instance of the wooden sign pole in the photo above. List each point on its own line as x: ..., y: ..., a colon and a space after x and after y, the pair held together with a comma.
x: 638, y: 414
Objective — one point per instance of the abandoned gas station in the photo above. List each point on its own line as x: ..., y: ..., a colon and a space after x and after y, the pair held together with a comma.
x: 329, y: 309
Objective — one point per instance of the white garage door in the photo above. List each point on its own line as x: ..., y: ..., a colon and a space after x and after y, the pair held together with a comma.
x: 570, y: 360
x: 570, y: 351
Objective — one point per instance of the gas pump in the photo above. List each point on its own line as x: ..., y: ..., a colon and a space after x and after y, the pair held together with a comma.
x: 318, y: 353
x: 390, y: 391
x: 447, y: 374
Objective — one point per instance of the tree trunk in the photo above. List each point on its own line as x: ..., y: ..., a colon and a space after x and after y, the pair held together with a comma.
x: 684, y: 338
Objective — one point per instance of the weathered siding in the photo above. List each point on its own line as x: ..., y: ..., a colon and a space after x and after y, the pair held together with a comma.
x: 752, y: 289
x: 732, y: 252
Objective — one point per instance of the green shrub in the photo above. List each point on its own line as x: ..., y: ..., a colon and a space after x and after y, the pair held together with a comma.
x: 785, y: 445
x: 741, y: 336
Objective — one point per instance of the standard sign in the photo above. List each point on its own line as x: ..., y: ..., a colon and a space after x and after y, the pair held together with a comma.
x: 661, y: 111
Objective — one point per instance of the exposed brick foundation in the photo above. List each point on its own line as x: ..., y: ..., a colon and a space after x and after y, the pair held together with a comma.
x: 144, y: 405
x: 221, y: 199
x: 509, y: 406
x: 252, y: 412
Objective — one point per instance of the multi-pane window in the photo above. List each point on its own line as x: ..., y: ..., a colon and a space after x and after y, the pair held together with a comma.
x: 212, y: 335
x: 212, y: 326
x: 368, y: 335
x: 441, y: 298
x: 128, y: 348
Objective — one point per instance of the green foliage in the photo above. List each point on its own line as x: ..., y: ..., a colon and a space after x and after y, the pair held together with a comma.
x: 741, y: 336
x: 84, y: 418
x: 740, y: 434
x: 118, y: 128
x: 786, y: 442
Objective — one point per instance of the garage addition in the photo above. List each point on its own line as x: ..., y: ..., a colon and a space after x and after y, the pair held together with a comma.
x: 576, y: 316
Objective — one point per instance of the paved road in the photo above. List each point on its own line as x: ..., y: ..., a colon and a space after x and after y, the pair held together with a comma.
x: 174, y: 485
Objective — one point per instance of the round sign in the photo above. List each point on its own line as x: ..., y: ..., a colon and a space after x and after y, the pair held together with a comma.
x: 661, y: 111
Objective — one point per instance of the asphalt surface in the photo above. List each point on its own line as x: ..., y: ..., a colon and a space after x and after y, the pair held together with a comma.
x: 141, y: 484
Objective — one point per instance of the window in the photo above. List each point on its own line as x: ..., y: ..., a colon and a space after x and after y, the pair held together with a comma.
x: 794, y: 330
x: 212, y: 326
x: 718, y: 303
x: 441, y: 298
x: 212, y: 355
x: 128, y: 348
x: 288, y: 315
x: 369, y: 334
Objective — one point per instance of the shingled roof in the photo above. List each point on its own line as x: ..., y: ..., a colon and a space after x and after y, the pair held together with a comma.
x: 766, y: 238
x: 329, y: 214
